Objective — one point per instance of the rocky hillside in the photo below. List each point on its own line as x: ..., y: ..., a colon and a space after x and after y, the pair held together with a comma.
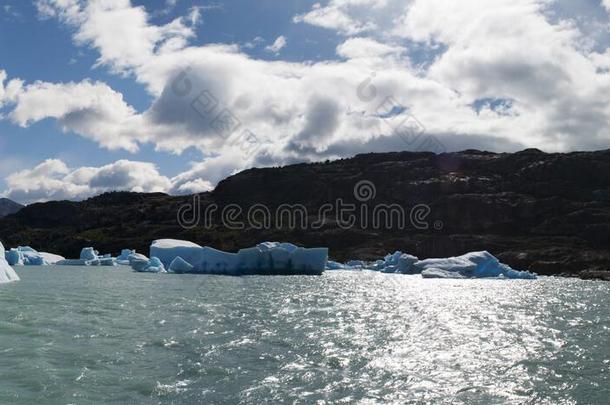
x: 8, y: 207
x: 548, y: 213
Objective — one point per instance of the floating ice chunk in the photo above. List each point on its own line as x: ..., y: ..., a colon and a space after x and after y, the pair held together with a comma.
x: 138, y: 262
x: 123, y: 258
x: 179, y: 265
x: 89, y: 257
x: 25, y: 255
x: 355, y: 264
x: 136, y: 256
x: 473, y: 265
x: 265, y: 258
x: 397, y: 262
x: 7, y: 274
x: 14, y: 257
x: 142, y: 264
x: 72, y: 262
x: 89, y: 253
x: 154, y: 266
x: 331, y: 265
x: 51, y: 258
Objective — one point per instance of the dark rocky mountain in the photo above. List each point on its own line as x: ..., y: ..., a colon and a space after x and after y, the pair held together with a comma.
x: 548, y: 213
x: 8, y: 207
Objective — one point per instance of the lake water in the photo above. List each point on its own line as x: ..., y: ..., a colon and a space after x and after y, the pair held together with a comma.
x: 108, y: 335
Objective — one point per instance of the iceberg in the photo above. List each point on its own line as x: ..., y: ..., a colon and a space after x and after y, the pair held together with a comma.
x: 471, y: 265
x: 7, y: 274
x: 356, y: 264
x: 51, y: 258
x: 89, y: 257
x: 142, y: 264
x: 154, y: 266
x: 14, y: 257
x: 397, y: 262
x: 26, y: 256
x: 332, y: 265
x: 89, y: 253
x: 123, y: 258
x: 138, y: 261
x: 265, y: 258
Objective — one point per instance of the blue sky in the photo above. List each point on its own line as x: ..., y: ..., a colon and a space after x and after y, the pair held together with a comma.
x: 43, y: 50
x: 86, y: 104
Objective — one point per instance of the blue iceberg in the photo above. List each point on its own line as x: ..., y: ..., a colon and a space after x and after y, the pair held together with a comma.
x: 7, y: 274
x: 89, y: 257
x: 26, y: 256
x: 123, y: 258
x: 397, y: 262
x: 471, y: 265
x: 265, y: 258
x: 138, y: 261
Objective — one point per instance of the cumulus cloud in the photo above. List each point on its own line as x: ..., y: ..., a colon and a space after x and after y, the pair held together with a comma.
x: 277, y: 46
x: 360, y: 47
x: 91, y: 109
x: 348, y: 17
x: 54, y: 180
x: 499, y: 74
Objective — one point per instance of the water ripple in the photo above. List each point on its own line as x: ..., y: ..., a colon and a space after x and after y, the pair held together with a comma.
x: 73, y: 335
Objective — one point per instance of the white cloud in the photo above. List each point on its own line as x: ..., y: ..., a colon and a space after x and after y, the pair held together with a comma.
x: 342, y: 16
x: 277, y: 46
x: 360, y: 47
x: 91, y: 109
x: 119, y: 31
x: 551, y: 84
x: 54, y: 180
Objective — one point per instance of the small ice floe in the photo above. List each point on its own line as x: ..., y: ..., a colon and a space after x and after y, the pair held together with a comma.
x: 7, y: 274
x: 26, y: 256
x: 89, y: 257
x: 123, y: 258
x: 471, y: 265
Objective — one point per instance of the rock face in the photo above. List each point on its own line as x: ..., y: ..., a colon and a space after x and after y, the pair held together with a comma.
x: 546, y: 213
x: 8, y: 207
x: 595, y: 275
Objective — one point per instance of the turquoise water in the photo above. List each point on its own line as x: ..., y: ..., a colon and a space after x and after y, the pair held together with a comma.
x: 108, y: 335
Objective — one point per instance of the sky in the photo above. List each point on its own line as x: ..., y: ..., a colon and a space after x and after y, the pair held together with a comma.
x: 174, y: 95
